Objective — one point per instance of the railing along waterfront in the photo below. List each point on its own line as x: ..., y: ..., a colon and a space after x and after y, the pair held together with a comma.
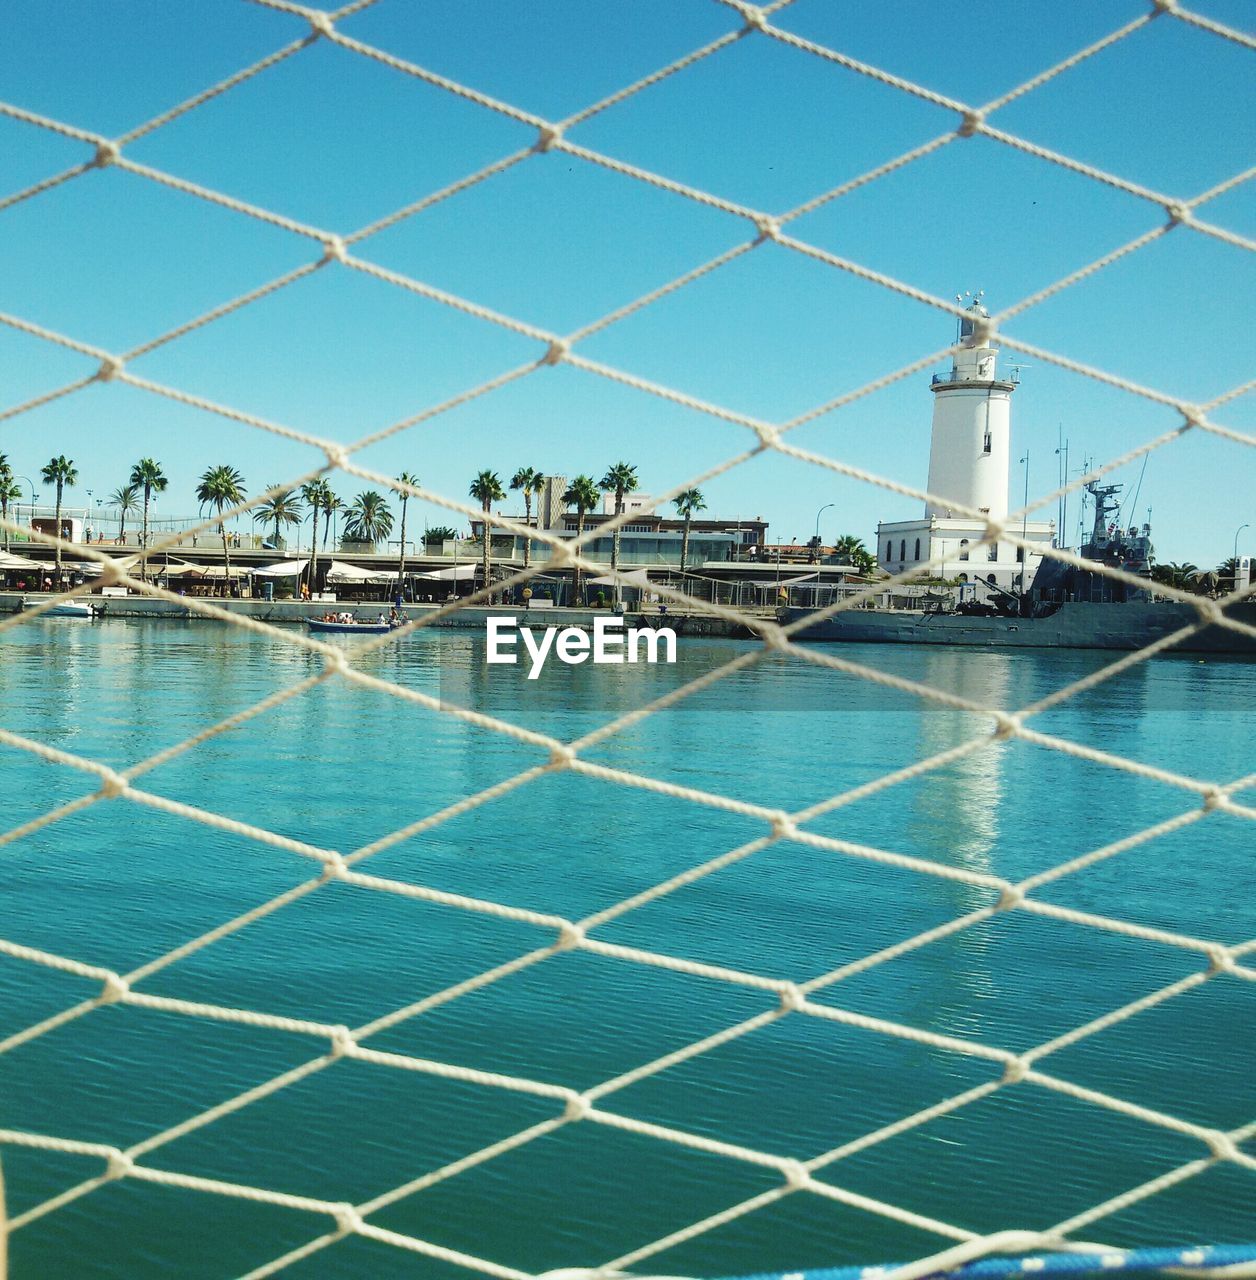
x: 803, y: 1172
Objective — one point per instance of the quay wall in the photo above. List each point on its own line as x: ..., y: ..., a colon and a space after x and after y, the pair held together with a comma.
x: 296, y: 612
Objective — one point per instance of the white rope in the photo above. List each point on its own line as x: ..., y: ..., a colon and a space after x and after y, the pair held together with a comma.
x: 784, y: 994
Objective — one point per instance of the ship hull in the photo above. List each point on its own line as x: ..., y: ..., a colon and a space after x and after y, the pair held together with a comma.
x: 1072, y: 626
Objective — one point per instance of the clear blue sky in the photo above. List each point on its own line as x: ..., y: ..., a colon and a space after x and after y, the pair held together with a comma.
x: 335, y: 140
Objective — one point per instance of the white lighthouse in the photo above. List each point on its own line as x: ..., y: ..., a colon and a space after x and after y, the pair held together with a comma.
x: 972, y: 411
x: 969, y: 457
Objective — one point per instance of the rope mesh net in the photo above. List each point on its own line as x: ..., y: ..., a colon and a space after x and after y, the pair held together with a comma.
x: 801, y: 1173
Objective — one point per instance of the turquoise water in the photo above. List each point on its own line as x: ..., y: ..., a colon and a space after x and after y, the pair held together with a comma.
x: 121, y: 884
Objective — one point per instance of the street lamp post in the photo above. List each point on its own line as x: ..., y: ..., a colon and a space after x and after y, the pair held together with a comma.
x: 34, y: 497
x: 1236, y: 554
x: 816, y: 543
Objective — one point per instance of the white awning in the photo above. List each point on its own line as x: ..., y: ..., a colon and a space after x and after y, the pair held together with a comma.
x: 284, y: 569
x: 455, y: 573
x: 341, y: 572
x: 187, y: 570
x: 88, y: 568
x: 9, y: 561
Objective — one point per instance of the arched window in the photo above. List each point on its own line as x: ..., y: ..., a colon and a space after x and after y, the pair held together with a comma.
x: 963, y: 577
x: 889, y: 552
x: 990, y: 578
x: 993, y: 551
x: 963, y: 548
x: 917, y: 548
x: 902, y: 549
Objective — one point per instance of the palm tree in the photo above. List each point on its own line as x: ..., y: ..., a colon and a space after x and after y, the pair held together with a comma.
x: 221, y: 487
x: 282, y: 508
x: 331, y: 504
x: 126, y: 499
x: 147, y: 475
x: 1228, y: 571
x: 369, y: 518
x: 413, y: 481
x: 850, y: 550
x: 10, y: 491
x: 486, y: 489
x: 529, y: 480
x: 316, y: 493
x: 621, y: 478
x: 1172, y: 574
x: 584, y: 495
x: 59, y: 471
x: 686, y: 504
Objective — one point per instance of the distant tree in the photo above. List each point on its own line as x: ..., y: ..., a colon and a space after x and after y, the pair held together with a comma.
x: 1228, y: 573
x: 486, y: 489
x: 851, y: 550
x: 529, y: 481
x: 369, y: 518
x: 405, y: 478
x: 6, y: 484
x: 219, y: 488
x: 1172, y: 574
x: 126, y: 499
x: 10, y: 491
x: 441, y: 533
x: 59, y: 471
x: 282, y: 508
x: 583, y: 494
x: 619, y: 479
x: 686, y: 504
x: 331, y: 504
x: 316, y: 494
x: 148, y: 476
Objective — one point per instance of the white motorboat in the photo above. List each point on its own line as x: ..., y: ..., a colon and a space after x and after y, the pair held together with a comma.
x: 65, y: 609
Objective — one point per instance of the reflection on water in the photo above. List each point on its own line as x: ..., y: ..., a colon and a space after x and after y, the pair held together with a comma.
x: 966, y: 798
x: 342, y: 765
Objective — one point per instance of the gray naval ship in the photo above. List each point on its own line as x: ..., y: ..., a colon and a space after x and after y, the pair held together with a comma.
x: 1066, y: 607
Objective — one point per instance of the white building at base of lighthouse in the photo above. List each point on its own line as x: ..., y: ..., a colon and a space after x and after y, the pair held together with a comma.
x: 968, y: 473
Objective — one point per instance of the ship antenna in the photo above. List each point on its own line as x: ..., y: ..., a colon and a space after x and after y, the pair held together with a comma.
x: 1138, y: 487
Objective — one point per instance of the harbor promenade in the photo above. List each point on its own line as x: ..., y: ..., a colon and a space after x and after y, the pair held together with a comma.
x: 465, y: 617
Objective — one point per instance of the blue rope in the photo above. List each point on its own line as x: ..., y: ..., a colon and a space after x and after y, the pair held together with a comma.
x: 1001, y: 1267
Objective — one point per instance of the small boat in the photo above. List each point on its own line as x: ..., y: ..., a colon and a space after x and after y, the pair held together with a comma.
x: 65, y: 609
x: 356, y: 628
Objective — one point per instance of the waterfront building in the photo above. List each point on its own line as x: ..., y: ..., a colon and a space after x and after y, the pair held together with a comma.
x: 969, y: 456
x: 639, y: 502
x: 549, y: 508
x: 647, y: 538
